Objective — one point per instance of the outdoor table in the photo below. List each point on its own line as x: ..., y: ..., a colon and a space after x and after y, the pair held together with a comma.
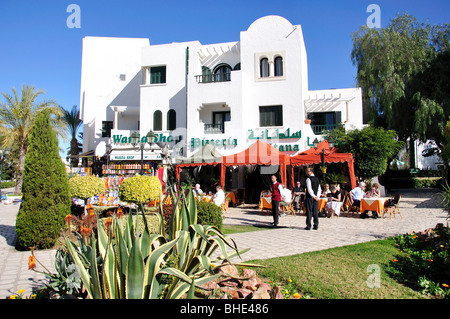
x: 231, y: 196
x: 322, y: 203
x: 265, y: 202
x: 373, y: 204
x: 207, y: 198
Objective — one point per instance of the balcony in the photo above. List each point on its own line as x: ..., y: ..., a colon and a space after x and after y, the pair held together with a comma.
x: 213, y: 78
x: 322, y: 129
x: 214, y: 128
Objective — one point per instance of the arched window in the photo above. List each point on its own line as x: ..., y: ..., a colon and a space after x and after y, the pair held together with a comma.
x: 157, y: 121
x: 222, y: 73
x: 278, y: 66
x: 264, y: 67
x: 171, y: 120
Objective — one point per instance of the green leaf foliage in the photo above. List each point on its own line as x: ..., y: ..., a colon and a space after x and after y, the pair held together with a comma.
x: 140, y: 189
x: 85, y: 187
x: 372, y: 148
x: 45, y: 200
x: 403, y: 70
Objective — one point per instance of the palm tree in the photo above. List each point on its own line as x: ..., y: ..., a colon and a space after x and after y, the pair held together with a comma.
x: 73, y: 122
x: 17, y: 115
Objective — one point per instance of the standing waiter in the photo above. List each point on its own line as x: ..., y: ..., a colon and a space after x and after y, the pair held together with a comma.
x: 313, y: 192
x: 276, y: 198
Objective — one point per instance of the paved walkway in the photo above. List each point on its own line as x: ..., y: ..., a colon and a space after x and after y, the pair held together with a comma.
x: 420, y: 210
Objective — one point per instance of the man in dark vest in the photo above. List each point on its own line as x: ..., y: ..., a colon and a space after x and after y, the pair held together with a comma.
x: 276, y: 198
x: 313, y: 192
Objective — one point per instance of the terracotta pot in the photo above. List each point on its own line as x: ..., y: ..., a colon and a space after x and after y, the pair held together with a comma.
x: 307, y: 121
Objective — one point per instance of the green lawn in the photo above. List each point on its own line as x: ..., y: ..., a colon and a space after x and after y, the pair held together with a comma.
x: 233, y: 229
x: 338, y: 273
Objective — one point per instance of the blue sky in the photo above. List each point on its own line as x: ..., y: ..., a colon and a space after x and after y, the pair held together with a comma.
x: 37, y: 48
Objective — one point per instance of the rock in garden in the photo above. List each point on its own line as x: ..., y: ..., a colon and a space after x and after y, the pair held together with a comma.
x: 265, y: 286
x: 248, y: 273
x: 261, y: 293
x: 245, y: 293
x: 229, y: 270
x: 230, y: 291
x: 275, y: 293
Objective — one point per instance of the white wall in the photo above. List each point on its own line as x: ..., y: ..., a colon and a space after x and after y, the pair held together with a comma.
x: 103, y: 61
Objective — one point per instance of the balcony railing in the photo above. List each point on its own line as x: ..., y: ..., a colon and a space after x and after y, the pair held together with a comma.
x: 212, y: 78
x: 214, y: 128
x: 322, y: 129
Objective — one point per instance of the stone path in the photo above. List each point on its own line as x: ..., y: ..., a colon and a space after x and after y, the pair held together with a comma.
x: 420, y: 210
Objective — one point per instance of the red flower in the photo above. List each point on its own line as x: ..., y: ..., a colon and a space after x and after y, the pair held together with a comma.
x: 31, y: 262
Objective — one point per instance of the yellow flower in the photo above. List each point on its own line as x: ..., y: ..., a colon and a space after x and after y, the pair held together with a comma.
x: 445, y: 285
x: 290, y: 280
x: 12, y: 297
x: 33, y: 296
x: 21, y: 291
x: 296, y: 295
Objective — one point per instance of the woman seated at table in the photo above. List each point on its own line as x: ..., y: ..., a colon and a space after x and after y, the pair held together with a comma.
x: 334, y: 203
x: 326, y: 191
x: 198, y: 191
x: 374, y: 192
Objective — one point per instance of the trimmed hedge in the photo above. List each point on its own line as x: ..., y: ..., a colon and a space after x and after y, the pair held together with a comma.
x: 209, y: 214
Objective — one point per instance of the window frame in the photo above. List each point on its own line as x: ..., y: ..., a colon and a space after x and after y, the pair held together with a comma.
x: 264, y: 121
x: 162, y: 79
x: 171, y: 120
x: 157, y: 121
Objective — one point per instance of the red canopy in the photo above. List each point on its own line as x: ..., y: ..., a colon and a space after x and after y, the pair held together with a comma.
x: 259, y: 153
x: 313, y: 156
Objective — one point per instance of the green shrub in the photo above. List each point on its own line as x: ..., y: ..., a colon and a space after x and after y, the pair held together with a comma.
x: 8, y: 184
x: 45, y: 200
x: 420, y: 182
x: 85, y: 187
x: 209, y: 214
x: 140, y: 189
x: 424, y: 261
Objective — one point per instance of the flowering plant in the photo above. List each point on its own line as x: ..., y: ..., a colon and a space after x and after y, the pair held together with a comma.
x: 140, y: 189
x: 84, y: 187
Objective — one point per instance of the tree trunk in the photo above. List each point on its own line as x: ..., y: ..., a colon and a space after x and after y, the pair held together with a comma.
x: 412, y: 153
x: 19, y: 176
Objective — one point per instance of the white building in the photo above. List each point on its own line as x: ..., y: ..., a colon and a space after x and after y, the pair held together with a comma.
x: 225, y: 94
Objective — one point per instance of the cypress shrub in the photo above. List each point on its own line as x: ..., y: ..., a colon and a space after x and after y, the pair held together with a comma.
x: 45, y: 191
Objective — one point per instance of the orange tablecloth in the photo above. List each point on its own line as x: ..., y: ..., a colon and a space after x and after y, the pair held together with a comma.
x: 373, y: 204
x: 322, y: 203
x: 207, y: 199
x: 232, y: 196
x: 265, y: 202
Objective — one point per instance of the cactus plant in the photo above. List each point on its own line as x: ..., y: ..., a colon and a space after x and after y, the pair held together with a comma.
x: 133, y: 265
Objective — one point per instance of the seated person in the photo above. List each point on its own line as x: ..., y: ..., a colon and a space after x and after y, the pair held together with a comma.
x: 198, y: 191
x: 334, y: 202
x: 219, y: 196
x: 374, y: 192
x: 357, y: 194
x: 326, y: 191
x: 299, y: 195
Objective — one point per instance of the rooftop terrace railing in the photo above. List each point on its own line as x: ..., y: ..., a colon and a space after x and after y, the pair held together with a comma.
x: 212, y: 78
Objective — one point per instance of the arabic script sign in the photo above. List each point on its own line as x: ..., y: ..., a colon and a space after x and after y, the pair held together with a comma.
x: 275, y: 135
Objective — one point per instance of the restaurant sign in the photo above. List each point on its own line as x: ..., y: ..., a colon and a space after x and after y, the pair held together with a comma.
x: 162, y: 138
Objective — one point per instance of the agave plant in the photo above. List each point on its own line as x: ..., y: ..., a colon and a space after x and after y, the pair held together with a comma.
x: 124, y: 263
